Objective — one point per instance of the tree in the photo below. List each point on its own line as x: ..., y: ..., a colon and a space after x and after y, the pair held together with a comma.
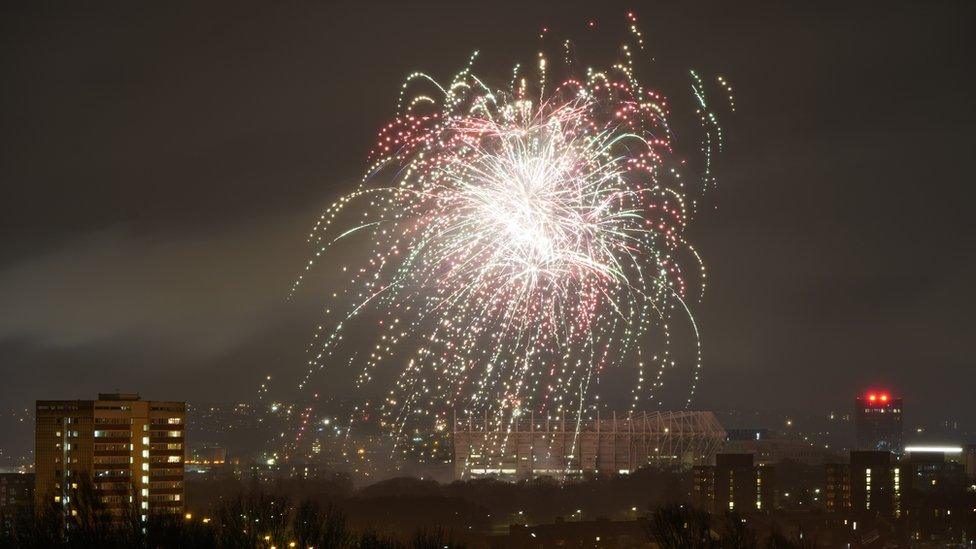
x: 680, y: 527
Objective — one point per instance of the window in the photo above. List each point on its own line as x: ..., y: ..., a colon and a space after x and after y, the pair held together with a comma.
x: 103, y: 473
x: 116, y: 447
x: 112, y: 485
x: 166, y: 446
x: 111, y: 459
x: 114, y: 420
x: 167, y: 472
x: 165, y: 484
x: 110, y: 434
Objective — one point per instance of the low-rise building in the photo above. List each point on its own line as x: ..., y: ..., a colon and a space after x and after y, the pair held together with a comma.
x: 16, y: 498
x: 531, y: 446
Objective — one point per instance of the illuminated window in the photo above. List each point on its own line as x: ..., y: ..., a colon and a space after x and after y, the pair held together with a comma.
x: 867, y: 485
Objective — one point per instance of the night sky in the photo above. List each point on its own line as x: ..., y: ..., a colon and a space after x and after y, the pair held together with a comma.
x: 161, y: 164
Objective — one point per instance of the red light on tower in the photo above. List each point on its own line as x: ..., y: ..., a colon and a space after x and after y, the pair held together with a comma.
x: 878, y: 399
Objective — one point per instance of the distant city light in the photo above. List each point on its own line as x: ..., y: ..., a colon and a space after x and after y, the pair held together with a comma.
x: 933, y: 449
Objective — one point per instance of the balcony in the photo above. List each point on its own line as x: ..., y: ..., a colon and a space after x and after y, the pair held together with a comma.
x: 166, y: 452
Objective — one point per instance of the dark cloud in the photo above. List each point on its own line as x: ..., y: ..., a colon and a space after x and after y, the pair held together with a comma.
x: 109, y: 285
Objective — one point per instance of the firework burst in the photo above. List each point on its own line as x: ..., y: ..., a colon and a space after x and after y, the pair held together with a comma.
x: 521, y: 243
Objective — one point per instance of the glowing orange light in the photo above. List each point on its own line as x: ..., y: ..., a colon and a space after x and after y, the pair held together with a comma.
x: 872, y: 397
x: 884, y: 398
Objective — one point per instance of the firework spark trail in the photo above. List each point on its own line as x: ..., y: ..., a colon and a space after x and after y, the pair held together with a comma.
x: 527, y: 240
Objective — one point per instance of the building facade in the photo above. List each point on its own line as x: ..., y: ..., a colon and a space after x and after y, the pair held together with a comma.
x: 735, y: 484
x: 130, y: 450
x: 878, y: 423
x: 778, y: 448
x: 530, y: 446
x: 871, y: 484
x: 931, y: 474
x: 969, y: 460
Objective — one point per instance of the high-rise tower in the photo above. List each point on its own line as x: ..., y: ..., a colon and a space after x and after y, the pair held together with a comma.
x: 878, y: 422
x: 132, y: 451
